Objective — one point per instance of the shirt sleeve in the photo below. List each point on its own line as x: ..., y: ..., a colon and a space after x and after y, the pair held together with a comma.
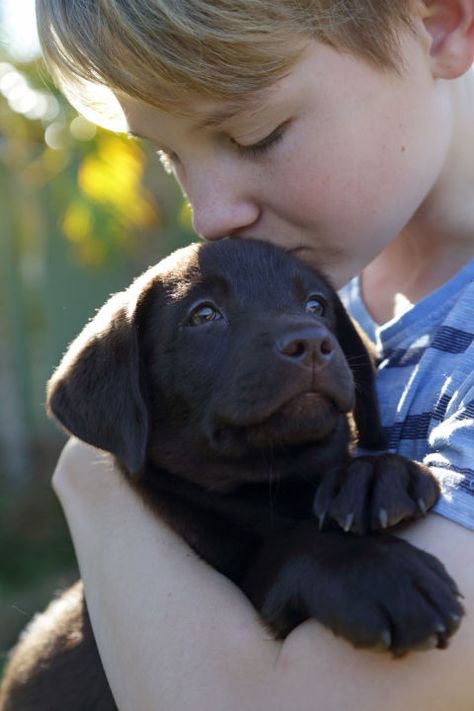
x: 451, y: 457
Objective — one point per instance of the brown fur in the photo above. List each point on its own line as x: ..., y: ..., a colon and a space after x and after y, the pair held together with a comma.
x: 227, y: 383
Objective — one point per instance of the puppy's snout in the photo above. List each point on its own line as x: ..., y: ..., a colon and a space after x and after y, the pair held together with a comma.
x: 306, y: 346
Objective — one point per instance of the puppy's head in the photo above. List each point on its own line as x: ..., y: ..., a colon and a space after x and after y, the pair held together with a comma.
x: 219, y: 352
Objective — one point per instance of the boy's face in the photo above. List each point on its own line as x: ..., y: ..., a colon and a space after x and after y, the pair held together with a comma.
x: 335, y: 160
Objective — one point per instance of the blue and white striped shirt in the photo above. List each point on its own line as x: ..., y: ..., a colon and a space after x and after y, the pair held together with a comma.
x: 425, y: 385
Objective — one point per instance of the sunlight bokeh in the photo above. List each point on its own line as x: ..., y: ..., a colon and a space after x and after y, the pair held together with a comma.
x: 19, y: 38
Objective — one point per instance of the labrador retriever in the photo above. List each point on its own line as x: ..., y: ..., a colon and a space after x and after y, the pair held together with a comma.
x: 231, y: 388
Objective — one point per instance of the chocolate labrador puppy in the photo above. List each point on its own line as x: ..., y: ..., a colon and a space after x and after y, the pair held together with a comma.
x: 231, y: 388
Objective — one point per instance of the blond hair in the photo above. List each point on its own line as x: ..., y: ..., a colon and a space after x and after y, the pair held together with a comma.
x: 161, y: 51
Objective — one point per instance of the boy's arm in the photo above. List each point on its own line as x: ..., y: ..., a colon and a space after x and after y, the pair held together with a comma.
x: 174, y: 634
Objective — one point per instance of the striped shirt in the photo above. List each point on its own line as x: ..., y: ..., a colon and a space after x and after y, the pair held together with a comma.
x: 425, y: 383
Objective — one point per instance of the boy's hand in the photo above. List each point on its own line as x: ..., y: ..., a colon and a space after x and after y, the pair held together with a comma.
x: 375, y: 493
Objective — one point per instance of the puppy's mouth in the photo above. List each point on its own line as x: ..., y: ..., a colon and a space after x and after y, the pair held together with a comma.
x: 305, y: 418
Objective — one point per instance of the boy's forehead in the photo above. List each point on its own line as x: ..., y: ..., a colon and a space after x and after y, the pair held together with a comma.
x: 198, y: 112
x: 216, y: 114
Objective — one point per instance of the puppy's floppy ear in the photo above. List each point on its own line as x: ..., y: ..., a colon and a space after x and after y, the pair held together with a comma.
x: 357, y: 347
x: 95, y: 392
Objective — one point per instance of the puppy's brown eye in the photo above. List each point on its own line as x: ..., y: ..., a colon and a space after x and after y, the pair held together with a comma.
x: 203, y: 314
x: 316, y: 305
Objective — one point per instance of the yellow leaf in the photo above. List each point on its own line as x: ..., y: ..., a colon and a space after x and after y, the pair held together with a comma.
x: 77, y: 222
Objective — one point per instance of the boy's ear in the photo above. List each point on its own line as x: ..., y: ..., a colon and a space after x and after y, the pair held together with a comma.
x: 95, y: 392
x: 450, y: 24
x: 360, y: 355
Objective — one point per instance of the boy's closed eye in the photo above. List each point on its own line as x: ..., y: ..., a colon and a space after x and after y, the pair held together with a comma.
x: 169, y: 159
x: 264, y: 144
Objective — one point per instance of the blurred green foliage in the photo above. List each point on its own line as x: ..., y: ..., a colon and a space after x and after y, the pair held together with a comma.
x: 82, y: 212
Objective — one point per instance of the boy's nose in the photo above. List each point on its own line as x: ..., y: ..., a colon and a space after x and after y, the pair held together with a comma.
x: 215, y: 222
x: 221, y: 209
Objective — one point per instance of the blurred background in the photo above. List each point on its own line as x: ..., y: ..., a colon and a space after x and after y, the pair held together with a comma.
x: 82, y: 211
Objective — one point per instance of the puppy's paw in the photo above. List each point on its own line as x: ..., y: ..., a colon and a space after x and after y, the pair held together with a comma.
x: 378, y: 592
x: 406, y: 601
x: 375, y: 493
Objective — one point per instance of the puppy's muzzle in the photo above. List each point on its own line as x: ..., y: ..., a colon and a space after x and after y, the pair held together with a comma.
x: 298, y: 387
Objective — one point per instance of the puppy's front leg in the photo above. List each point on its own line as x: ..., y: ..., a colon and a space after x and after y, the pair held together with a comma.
x: 378, y: 591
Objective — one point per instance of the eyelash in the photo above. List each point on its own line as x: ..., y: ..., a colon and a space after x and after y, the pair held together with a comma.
x: 261, y: 147
x: 253, y: 151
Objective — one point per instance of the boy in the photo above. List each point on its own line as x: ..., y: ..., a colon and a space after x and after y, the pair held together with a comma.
x: 342, y: 131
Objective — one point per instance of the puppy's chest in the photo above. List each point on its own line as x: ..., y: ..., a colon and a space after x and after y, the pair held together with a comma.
x: 255, y: 507
x: 226, y: 529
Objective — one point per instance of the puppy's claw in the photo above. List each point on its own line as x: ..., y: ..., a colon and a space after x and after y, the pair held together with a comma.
x: 431, y: 643
x: 348, y: 522
x: 321, y: 519
x: 384, y: 643
x: 422, y: 506
x: 379, y: 647
x: 383, y: 518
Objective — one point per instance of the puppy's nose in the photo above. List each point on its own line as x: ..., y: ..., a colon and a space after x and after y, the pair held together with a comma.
x: 306, y: 346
